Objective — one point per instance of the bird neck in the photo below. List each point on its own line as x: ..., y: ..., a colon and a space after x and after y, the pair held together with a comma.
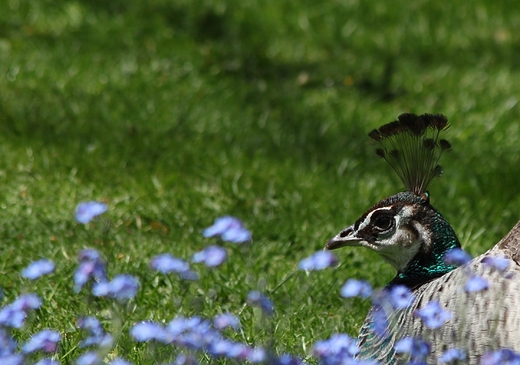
x: 428, y: 263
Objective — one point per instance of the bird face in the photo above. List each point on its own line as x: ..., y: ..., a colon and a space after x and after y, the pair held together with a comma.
x: 392, y: 228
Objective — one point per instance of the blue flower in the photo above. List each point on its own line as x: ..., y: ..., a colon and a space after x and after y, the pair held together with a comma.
x: 12, y: 359
x: 457, y: 257
x: 229, y: 229
x: 476, y: 284
x: 256, y: 355
x: 340, y: 348
x: 7, y: 343
x: 166, y: 263
x: 211, y: 256
x: 379, y: 320
x: 400, y: 297
x: 14, y: 314
x: 148, y: 331
x: 27, y: 301
x: 417, y: 348
x: 123, y: 287
x: 318, y: 261
x: 451, y: 355
x: 286, y: 359
x: 86, y: 211
x: 45, y: 340
x: 260, y: 300
x: 89, y: 358
x: 183, y: 359
x: 226, y: 348
x: 96, y: 333
x: 433, y: 315
x: 356, y: 288
x: 91, y: 265
x: 225, y: 320
x: 37, y: 269
x: 500, y: 357
x: 499, y: 263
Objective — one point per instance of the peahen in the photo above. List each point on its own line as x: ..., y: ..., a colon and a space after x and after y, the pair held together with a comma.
x: 410, y: 234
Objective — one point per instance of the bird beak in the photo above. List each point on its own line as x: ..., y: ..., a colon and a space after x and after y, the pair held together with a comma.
x: 347, y: 237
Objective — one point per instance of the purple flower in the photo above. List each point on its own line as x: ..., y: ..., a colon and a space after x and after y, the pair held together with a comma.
x: 91, y: 266
x: 457, y: 257
x: 416, y: 347
x: 318, y: 261
x: 433, y: 315
x: 14, y: 314
x: 500, y: 357
x: 451, y: 355
x: 96, y: 333
x: 260, y: 300
x: 166, y: 263
x: 12, y: 359
x: 211, y: 256
x: 338, y: 349
x: 286, y: 359
x: 45, y: 340
x: 7, y: 343
x: 225, y: 320
x: 229, y: 229
x: 226, y: 348
x: 122, y: 287
x: 379, y: 321
x: 400, y: 297
x: 37, y: 269
x: 27, y: 301
x: 47, y: 362
x: 189, y: 275
x: 499, y: 263
x: 89, y: 358
x: 183, y: 359
x: 86, y: 211
x: 256, y: 355
x: 476, y: 284
x: 356, y: 288
x: 148, y: 331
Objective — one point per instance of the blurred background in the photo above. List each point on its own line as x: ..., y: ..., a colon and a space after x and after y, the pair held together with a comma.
x: 176, y: 112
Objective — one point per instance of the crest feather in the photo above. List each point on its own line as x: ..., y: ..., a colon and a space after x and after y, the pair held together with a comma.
x: 411, y: 145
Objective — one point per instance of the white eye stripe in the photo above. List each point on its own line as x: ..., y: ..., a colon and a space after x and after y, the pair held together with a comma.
x: 368, y: 218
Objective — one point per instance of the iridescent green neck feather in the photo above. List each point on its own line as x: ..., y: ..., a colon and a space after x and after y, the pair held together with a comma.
x: 428, y: 263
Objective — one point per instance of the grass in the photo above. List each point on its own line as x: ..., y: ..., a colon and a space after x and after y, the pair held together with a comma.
x: 175, y: 113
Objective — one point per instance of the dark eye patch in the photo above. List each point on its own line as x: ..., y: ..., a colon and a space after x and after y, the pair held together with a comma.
x: 382, y: 220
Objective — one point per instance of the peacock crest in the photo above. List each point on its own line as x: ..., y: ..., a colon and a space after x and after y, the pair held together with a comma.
x: 412, y: 147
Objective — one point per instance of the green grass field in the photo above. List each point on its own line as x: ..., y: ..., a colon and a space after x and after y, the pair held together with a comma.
x: 177, y: 112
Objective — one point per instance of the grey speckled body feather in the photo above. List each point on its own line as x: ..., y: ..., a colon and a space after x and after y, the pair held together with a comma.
x: 482, y: 321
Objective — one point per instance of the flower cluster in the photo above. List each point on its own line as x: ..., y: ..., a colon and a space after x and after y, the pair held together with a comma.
x: 229, y: 229
x: 91, y: 267
x: 339, y: 349
x: 197, y: 334
x: 211, y: 256
x: 96, y: 334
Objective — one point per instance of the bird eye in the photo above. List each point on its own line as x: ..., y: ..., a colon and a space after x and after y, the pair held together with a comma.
x: 383, y: 222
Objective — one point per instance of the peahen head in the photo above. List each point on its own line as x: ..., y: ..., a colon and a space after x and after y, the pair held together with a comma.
x: 405, y: 229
